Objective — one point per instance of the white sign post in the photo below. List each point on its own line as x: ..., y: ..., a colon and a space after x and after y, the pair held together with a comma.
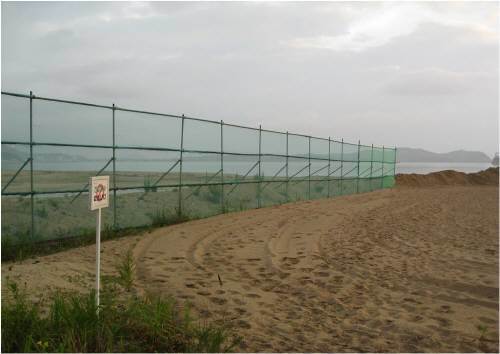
x: 99, y: 198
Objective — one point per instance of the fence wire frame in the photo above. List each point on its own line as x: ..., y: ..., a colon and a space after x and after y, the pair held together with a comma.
x: 114, y: 188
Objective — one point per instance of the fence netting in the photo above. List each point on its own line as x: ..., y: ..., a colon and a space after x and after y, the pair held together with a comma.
x: 161, y: 167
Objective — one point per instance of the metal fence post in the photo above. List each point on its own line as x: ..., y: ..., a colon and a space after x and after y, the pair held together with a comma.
x: 394, y: 167
x: 383, y: 159
x: 222, y: 166
x: 371, y: 168
x: 179, y: 206
x: 357, y: 180
x: 287, y: 197
x: 329, y: 160
x: 309, y: 178
x: 342, y: 167
x: 260, y: 153
x: 31, y: 169
x: 114, y: 172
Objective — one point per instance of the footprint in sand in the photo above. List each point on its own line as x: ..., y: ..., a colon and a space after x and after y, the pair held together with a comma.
x: 239, y: 302
x: 243, y: 324
x: 240, y: 311
x: 322, y: 274
x: 218, y: 300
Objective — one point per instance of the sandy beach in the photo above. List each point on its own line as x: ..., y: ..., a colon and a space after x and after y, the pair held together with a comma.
x: 414, y: 268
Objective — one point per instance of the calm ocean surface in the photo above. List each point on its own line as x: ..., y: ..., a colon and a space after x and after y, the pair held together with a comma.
x: 268, y: 167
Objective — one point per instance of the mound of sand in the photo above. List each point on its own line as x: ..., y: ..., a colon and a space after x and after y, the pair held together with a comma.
x: 449, y: 177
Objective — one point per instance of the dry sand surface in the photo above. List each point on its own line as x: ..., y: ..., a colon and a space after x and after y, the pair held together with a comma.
x: 406, y: 269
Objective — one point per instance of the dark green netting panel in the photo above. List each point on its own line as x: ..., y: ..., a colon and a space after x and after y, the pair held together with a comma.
x: 61, y: 215
x: 242, y: 196
x: 65, y: 123
x: 240, y: 140
x: 298, y: 186
x: 274, y: 180
x: 274, y: 169
x: 15, y: 168
x: 146, y: 169
x: 161, y: 167
x: 68, y: 168
x: 206, y: 169
x: 202, y: 136
x: 142, y: 178
x: 146, y: 130
x: 61, y: 176
x: 320, y: 168
x: 16, y: 218
x: 15, y: 120
x: 156, y: 206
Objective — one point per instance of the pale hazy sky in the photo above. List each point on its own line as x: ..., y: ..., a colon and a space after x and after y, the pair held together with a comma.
x: 406, y: 74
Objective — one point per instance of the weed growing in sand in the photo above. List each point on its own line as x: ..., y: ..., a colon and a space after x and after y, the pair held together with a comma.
x: 148, y: 185
x: 124, y: 324
x: 482, y: 331
x: 126, y: 270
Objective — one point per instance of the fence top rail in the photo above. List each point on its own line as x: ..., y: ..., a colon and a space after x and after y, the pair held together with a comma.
x: 113, y: 107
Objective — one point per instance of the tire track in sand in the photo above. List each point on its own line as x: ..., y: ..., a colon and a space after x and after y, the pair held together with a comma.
x: 328, y: 275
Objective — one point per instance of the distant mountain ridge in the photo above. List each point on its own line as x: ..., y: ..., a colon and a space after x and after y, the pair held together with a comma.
x: 405, y: 154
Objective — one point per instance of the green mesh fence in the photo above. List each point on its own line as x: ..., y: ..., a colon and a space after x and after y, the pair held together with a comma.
x: 161, y: 167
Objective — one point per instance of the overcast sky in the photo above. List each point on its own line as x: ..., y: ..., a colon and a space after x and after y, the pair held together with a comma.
x: 400, y: 74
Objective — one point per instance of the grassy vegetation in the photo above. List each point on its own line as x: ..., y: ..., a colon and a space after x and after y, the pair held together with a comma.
x: 482, y: 331
x: 23, y: 246
x: 61, y: 223
x: 124, y: 323
x: 163, y: 217
x: 126, y: 271
x: 148, y: 185
x: 214, y: 194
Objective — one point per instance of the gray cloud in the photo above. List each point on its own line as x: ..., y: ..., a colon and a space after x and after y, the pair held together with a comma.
x: 352, y: 70
x: 434, y: 82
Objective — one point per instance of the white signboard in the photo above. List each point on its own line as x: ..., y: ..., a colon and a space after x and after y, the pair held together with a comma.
x: 99, y: 192
x: 99, y: 198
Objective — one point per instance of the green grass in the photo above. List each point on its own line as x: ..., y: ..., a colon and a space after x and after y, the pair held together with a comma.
x: 69, y: 322
x: 126, y: 270
x: 482, y: 331
x: 23, y: 246
x: 163, y: 217
x: 214, y: 194
x: 148, y: 185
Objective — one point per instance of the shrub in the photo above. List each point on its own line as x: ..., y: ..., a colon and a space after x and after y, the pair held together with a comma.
x: 214, y: 193
x: 319, y: 188
x: 148, y: 185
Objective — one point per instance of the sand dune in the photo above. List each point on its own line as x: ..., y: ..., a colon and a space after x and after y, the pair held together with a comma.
x: 487, y: 177
x: 407, y: 269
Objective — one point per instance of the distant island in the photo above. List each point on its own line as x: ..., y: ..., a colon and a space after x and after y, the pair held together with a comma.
x: 405, y: 154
